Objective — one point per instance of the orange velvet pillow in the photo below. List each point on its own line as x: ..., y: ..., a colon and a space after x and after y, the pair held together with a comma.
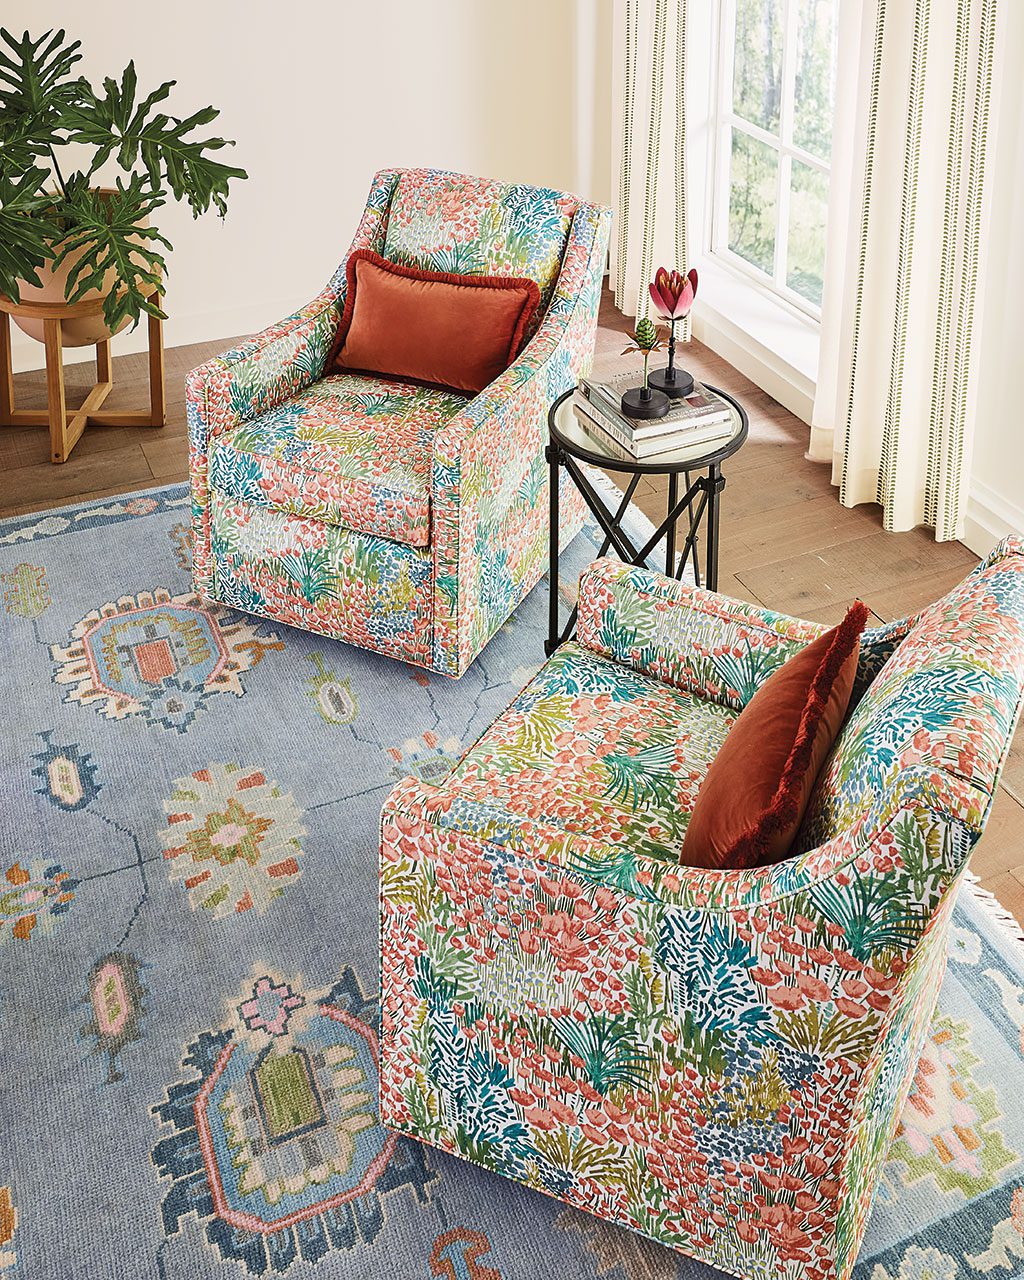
x: 458, y: 332
x: 753, y: 799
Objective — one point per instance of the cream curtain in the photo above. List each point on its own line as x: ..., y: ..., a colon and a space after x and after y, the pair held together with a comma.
x: 906, y: 256
x: 648, y: 169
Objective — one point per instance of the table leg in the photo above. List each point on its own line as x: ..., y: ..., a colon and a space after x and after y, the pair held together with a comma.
x: 55, y: 403
x: 670, y: 536
x: 103, y: 373
x: 553, y: 473
x: 6, y: 372
x: 157, y: 392
x: 717, y: 484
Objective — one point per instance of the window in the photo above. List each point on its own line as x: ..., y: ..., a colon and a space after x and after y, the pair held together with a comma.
x: 773, y: 142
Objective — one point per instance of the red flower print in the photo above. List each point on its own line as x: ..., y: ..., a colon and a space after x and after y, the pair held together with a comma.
x: 561, y: 1112
x: 879, y: 980
x: 850, y: 1008
x: 789, y: 998
x: 539, y: 1118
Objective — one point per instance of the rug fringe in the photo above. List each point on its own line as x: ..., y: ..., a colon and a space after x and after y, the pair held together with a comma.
x: 987, y: 900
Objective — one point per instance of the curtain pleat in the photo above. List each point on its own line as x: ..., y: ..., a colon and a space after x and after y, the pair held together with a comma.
x: 907, y: 210
x: 648, y: 154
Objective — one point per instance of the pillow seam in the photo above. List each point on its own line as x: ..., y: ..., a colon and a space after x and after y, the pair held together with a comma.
x: 526, y: 313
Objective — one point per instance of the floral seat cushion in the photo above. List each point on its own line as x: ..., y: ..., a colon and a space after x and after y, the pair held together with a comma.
x: 591, y: 748
x: 349, y: 450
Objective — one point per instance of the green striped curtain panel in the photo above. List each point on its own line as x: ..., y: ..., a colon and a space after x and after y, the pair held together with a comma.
x: 648, y: 169
x: 906, y: 256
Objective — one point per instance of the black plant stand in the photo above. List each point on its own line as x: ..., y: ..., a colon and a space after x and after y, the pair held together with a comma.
x: 700, y: 466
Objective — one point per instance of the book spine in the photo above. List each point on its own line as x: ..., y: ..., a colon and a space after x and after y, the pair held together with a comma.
x: 597, y: 412
x: 607, y: 408
x: 677, y: 420
x: 652, y: 449
x: 597, y: 429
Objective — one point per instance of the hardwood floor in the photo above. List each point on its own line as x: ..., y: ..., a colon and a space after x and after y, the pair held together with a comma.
x: 786, y: 541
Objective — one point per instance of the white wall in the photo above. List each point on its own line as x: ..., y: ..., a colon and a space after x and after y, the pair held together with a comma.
x: 318, y: 95
x: 995, y: 504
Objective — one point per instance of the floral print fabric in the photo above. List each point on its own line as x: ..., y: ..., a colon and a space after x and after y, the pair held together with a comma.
x: 465, y: 482
x: 490, y: 519
x: 945, y: 700
x: 350, y: 450
x: 717, y: 1059
x: 473, y: 226
x: 719, y: 648
x: 705, y: 642
x: 592, y: 748
x: 352, y: 586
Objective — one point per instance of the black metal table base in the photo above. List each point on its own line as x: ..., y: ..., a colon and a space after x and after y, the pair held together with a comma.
x: 698, y: 506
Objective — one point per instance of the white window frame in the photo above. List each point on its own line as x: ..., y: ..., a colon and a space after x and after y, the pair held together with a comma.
x: 724, y: 122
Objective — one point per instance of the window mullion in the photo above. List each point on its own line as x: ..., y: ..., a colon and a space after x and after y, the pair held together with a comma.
x: 787, y: 108
x: 723, y: 142
x: 754, y: 130
x: 782, y: 224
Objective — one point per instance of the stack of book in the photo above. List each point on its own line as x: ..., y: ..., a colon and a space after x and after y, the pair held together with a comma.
x: 699, y: 418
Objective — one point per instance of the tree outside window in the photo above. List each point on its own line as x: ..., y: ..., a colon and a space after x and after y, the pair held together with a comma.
x: 774, y: 142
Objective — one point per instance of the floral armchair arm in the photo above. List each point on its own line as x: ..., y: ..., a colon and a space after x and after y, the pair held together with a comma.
x: 668, y: 1016
x: 697, y: 640
x: 706, y: 643
x: 488, y: 461
x: 266, y: 369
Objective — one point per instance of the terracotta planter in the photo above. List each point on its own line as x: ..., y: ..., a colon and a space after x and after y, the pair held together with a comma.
x: 79, y: 331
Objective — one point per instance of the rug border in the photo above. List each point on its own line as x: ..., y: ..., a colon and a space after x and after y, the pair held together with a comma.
x: 71, y: 508
x: 95, y: 502
x: 1009, y: 926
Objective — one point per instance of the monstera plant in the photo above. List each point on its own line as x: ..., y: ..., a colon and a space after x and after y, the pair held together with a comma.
x: 58, y: 225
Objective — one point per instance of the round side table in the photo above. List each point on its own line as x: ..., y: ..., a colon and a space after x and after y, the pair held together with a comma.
x: 570, y: 443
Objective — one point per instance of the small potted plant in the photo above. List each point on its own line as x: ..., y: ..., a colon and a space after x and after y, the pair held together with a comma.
x: 644, y: 401
x: 672, y: 294
x: 64, y: 238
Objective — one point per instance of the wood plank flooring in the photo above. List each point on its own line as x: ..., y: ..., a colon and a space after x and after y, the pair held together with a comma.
x: 786, y: 541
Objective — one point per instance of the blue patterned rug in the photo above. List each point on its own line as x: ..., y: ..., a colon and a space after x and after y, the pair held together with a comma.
x: 189, y: 803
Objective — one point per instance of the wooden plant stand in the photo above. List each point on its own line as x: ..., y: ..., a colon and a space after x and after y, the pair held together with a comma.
x: 66, y: 425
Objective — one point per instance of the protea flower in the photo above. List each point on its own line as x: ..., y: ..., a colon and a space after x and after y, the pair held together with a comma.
x: 673, y: 293
x: 644, y: 339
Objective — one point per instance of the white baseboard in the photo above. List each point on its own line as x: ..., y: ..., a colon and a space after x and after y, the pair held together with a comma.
x: 179, y: 331
x: 990, y: 517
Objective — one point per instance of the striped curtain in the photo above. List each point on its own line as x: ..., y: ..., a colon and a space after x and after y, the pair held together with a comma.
x: 648, y: 170
x: 897, y: 379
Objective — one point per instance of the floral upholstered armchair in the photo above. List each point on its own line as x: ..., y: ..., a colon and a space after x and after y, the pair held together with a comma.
x: 401, y: 518
x: 716, y: 1059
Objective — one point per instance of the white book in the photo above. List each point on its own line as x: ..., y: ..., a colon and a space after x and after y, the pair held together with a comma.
x: 653, y: 449
x: 677, y: 433
x: 699, y: 407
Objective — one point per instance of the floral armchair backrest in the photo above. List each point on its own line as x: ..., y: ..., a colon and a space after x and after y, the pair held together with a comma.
x: 442, y: 221
x: 946, y: 700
